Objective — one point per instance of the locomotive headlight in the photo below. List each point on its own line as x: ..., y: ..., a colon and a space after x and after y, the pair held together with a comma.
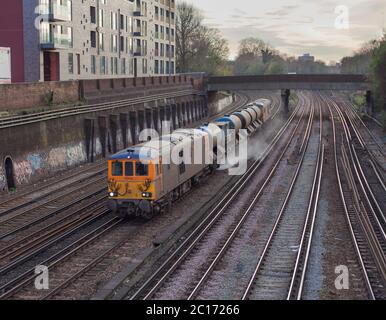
x: 146, y: 195
x: 112, y: 194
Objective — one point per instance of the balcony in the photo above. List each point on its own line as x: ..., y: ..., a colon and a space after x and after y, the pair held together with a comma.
x: 137, y: 32
x: 53, y: 41
x: 137, y: 52
x: 56, y: 11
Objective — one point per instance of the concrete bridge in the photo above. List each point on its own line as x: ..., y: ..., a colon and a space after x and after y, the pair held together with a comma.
x: 290, y: 82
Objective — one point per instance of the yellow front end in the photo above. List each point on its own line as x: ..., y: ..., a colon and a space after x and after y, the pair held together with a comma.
x: 134, y: 190
x: 132, y: 180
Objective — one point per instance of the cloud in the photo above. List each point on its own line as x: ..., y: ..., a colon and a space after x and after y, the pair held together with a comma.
x: 298, y: 26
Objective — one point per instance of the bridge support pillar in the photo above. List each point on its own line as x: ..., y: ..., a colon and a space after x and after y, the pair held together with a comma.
x: 114, y: 132
x: 149, y: 118
x: 183, y: 110
x: 133, y: 126
x: 156, y: 119
x: 190, y: 111
x: 369, y: 103
x: 168, y: 116
x: 123, y: 119
x: 141, y: 120
x: 179, y: 115
x: 89, y: 127
x: 103, y: 135
x: 174, y: 121
x: 285, y: 95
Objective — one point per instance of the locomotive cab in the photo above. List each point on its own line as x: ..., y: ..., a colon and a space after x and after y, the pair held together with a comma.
x: 132, y: 184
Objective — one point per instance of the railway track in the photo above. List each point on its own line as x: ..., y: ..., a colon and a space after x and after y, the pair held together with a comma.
x: 282, y: 264
x: 221, y: 217
x: 9, y: 289
x: 25, y: 247
x: 25, y: 218
x: 366, y: 230
x: 8, y: 122
x: 44, y: 190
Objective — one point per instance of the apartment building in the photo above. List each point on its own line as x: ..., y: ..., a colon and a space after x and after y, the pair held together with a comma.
x: 87, y: 39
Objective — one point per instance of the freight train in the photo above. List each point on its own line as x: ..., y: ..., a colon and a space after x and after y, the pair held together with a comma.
x: 146, y: 179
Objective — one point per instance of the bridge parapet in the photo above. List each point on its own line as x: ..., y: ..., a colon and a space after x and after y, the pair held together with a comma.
x: 290, y: 81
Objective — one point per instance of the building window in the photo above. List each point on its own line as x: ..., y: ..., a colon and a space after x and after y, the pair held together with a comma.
x: 116, y: 65
x: 103, y: 65
x: 93, y: 39
x: 114, y: 43
x: 101, y: 41
x: 156, y: 66
x: 93, y: 14
x: 71, y: 63
x: 123, y: 66
x: 122, y: 43
x: 101, y: 18
x: 122, y: 22
x: 93, y: 65
x: 69, y: 5
x: 144, y: 66
x: 113, y: 21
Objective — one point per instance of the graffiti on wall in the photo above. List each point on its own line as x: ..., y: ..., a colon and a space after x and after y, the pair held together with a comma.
x: 56, y: 158
x: 98, y: 147
x: 23, y: 171
x: 76, y: 154
x: 36, y: 162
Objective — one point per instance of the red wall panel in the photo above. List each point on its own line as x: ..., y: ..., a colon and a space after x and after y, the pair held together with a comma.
x: 11, y: 35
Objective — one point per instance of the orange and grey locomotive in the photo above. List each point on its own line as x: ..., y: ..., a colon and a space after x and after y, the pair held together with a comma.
x: 146, y: 179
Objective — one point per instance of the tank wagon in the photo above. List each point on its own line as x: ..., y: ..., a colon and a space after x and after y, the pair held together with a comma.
x: 147, y: 178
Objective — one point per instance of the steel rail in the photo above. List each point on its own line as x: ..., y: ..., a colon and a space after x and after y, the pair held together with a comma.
x: 354, y: 235
x: 241, y: 222
x: 49, y: 230
x: 215, y: 213
x: 55, y: 198
x: 18, y: 283
x: 17, y: 197
x: 252, y: 280
x: 296, y: 290
x: 72, y: 229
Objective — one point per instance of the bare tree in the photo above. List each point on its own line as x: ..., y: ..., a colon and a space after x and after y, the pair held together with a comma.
x: 198, y: 47
x: 188, y: 27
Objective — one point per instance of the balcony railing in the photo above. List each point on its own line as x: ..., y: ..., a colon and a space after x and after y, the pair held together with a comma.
x: 53, y: 41
x: 137, y: 32
x: 56, y: 11
x: 137, y: 52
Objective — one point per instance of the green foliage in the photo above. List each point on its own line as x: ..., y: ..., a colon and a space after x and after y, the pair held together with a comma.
x: 360, y: 102
x: 48, y: 98
x: 378, y: 67
x: 275, y: 67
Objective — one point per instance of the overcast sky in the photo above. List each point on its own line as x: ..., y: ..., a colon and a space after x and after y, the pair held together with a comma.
x: 297, y: 26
